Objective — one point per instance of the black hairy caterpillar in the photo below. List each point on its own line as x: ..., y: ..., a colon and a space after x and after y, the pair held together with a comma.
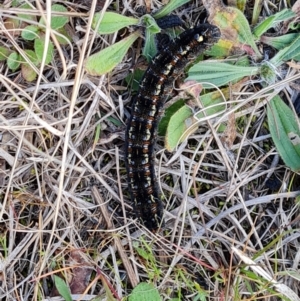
x: 147, y: 108
x: 169, y: 21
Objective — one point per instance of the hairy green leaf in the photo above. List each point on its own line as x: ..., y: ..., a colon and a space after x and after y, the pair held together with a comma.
x: 25, y: 16
x: 171, y: 6
x: 290, y: 52
x: 279, y: 42
x: 58, y: 21
x: 4, y: 53
x: 169, y: 112
x: 39, y: 46
x: 285, y: 132
x: 62, y: 288
x: 28, y: 73
x: 13, y: 61
x: 30, y: 32
x: 112, y: 22
x: 219, y: 74
x: 272, y: 21
x: 178, y: 124
x: 144, y: 292
x: 31, y: 55
x: 235, y: 27
x: 151, y: 24
x: 150, y: 48
x: 108, y: 58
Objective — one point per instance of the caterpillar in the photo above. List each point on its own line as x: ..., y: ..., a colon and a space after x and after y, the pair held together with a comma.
x: 146, y: 111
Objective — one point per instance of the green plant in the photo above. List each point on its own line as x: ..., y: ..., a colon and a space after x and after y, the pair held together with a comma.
x: 236, y: 34
x: 283, y: 123
x: 33, y: 32
x: 105, y: 60
x: 145, y: 251
x: 62, y: 288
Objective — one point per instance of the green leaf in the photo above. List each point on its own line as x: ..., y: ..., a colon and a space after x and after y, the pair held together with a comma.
x: 169, y: 112
x: 64, y: 38
x: 279, y: 42
x: 108, y: 58
x: 178, y: 120
x: 177, y: 126
x: 223, y: 48
x: 143, y: 253
x: 272, y: 21
x: 58, y: 21
x: 285, y: 132
x: 31, y: 55
x: 219, y: 74
x: 213, y: 102
x: 30, y: 32
x: 13, y: 61
x: 294, y: 25
x: 112, y: 22
x: 235, y: 27
x: 151, y: 24
x: 28, y: 73
x: 4, y: 53
x: 150, y: 48
x: 15, y: 3
x: 171, y: 6
x: 62, y: 288
x: 144, y: 292
x: 39, y: 46
x: 152, y: 28
x: 25, y: 16
x: 288, y: 53
x: 114, y: 121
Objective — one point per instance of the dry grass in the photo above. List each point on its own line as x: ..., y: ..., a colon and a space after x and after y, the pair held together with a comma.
x: 65, y: 207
